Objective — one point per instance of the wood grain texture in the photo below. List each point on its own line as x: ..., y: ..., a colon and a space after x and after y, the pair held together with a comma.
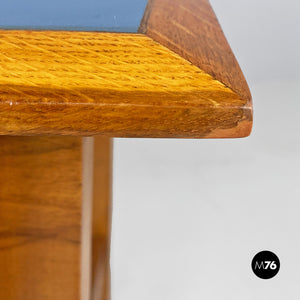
x: 40, y: 218
x: 54, y: 241
x: 121, y: 85
x: 101, y: 228
x: 190, y: 28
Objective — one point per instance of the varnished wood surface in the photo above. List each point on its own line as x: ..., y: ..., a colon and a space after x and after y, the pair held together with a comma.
x: 40, y: 218
x: 121, y: 85
x: 55, y: 214
x: 101, y: 220
x: 87, y: 177
x: 191, y: 29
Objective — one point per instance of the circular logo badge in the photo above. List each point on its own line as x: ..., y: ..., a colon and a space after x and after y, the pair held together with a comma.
x: 265, y: 265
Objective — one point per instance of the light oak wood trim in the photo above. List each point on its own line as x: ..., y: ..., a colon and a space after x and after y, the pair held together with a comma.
x: 122, y: 85
x: 102, y: 218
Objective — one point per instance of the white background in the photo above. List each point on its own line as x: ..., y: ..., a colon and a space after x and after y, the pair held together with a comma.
x: 189, y: 215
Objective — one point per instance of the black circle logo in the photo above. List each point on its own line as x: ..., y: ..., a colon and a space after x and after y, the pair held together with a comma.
x: 265, y: 265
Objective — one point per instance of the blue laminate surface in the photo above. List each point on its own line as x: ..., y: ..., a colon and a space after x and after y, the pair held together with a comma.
x: 91, y: 15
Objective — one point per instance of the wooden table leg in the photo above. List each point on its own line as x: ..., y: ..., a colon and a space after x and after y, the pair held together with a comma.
x: 102, y: 218
x: 46, y: 232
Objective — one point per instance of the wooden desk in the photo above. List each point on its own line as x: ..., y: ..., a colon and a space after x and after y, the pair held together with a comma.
x: 63, y: 96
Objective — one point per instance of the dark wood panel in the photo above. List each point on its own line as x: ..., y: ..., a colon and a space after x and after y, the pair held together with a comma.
x: 191, y: 29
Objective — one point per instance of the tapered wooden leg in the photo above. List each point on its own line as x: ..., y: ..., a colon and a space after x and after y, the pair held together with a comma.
x: 46, y: 201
